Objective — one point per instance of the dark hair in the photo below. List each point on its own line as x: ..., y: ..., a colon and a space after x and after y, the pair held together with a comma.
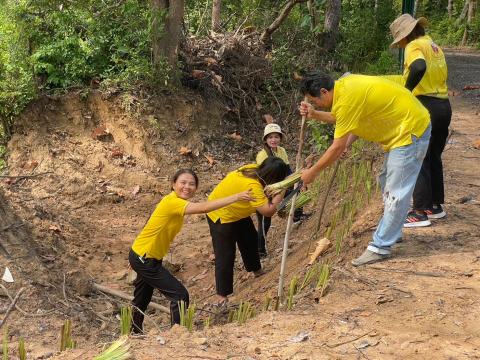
x: 272, y: 170
x: 313, y: 81
x: 417, y: 31
x: 185, y: 171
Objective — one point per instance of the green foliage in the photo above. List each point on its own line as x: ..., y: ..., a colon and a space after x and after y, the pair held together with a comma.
x: 322, y: 135
x: 244, y: 312
x: 292, y: 291
x: 387, y: 63
x: 323, y: 278
x: 187, y: 315
x: 119, y: 350
x: 66, y: 341
x: 22, y: 353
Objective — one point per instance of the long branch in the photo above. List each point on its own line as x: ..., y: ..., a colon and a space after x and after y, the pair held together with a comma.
x: 267, y: 33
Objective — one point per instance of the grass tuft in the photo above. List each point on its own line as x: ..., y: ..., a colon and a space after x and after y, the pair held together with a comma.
x: 119, y: 350
x: 66, y: 341
x: 187, y: 315
x: 22, y: 353
x: 125, y: 320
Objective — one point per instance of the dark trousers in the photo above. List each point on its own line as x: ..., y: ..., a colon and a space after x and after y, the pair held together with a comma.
x: 429, y: 188
x: 264, y: 223
x: 224, y: 238
x: 152, y: 275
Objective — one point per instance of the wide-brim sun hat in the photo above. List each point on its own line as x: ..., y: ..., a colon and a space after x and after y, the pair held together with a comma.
x: 402, y: 26
x: 272, y: 128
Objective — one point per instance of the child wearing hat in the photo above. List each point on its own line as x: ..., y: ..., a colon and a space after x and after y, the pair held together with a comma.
x: 272, y: 138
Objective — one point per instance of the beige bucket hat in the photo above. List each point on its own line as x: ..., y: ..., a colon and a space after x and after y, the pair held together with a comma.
x: 272, y: 128
x: 402, y: 26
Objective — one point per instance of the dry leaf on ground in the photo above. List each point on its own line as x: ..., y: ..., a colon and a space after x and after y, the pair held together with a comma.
x: 235, y: 136
x: 185, y: 151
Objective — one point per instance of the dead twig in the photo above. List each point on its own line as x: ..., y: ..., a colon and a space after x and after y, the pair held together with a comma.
x: 12, y: 226
x: 24, y: 176
x: 19, y: 309
x: 347, y: 341
x: 12, y: 305
x: 403, y: 271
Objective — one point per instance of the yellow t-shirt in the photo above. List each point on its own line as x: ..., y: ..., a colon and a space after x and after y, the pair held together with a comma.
x: 434, y: 81
x: 233, y: 183
x: 280, y: 153
x: 165, y: 222
x: 378, y: 110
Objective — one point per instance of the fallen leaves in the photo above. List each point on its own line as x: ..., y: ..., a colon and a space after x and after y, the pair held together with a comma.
x: 268, y: 118
x: 101, y: 133
x: 185, y: 151
x: 136, y: 190
x: 476, y: 144
x: 235, y: 136
x: 210, y: 159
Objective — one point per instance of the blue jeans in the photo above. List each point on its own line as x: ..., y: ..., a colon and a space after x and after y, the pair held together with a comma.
x: 397, y: 180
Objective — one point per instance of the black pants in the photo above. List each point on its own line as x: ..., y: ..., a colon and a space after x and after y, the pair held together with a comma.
x: 152, y: 275
x: 224, y: 239
x: 264, y: 223
x: 429, y: 188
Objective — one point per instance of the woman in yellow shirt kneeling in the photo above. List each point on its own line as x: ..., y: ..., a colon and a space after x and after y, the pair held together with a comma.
x: 153, y: 243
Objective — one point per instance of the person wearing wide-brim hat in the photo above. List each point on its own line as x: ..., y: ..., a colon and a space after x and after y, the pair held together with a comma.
x: 425, y: 74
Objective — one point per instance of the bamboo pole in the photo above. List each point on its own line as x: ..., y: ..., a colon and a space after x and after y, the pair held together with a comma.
x: 298, y: 166
x: 125, y: 296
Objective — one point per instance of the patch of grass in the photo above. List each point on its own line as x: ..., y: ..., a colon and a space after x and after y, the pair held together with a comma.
x: 66, y: 341
x: 187, y: 315
x: 207, y: 322
x: 292, y: 291
x: 125, y: 320
x: 309, y: 275
x: 22, y: 353
x: 244, y: 312
x: 323, y: 278
x: 119, y: 350
x: 5, y: 343
x: 266, y: 303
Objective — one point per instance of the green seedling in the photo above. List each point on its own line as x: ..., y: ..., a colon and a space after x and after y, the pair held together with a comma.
x: 66, y: 341
x: 244, y: 312
x: 22, y: 353
x: 187, y: 315
x: 206, y: 322
x: 309, y: 275
x: 117, y: 351
x: 292, y: 291
x: 323, y: 278
x: 125, y: 320
x: 266, y: 303
x: 5, y: 343
x: 276, y: 304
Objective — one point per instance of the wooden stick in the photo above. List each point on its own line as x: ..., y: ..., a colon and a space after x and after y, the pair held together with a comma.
x: 12, y: 305
x: 298, y: 165
x: 125, y: 296
x: 322, y: 207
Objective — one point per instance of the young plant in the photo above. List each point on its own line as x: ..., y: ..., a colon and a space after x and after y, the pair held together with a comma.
x: 292, y: 291
x: 206, y: 322
x: 66, y: 341
x: 125, y: 320
x: 266, y: 303
x: 323, y: 278
x: 5, y: 343
x: 117, y: 351
x: 274, y: 189
x: 244, y: 312
x: 22, y: 353
x: 309, y: 275
x: 187, y: 315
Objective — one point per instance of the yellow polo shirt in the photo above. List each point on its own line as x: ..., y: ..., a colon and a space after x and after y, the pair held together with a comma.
x: 162, y: 227
x: 233, y: 183
x: 378, y: 110
x: 280, y: 153
x: 434, y: 81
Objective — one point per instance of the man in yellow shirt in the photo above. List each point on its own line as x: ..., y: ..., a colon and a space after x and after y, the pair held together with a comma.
x: 377, y: 110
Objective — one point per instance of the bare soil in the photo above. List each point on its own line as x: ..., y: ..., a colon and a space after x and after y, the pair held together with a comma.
x: 82, y: 216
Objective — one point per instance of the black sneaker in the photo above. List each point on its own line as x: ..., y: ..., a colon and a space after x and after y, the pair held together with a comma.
x: 263, y: 254
x: 301, y: 218
x: 416, y: 220
x: 436, y: 212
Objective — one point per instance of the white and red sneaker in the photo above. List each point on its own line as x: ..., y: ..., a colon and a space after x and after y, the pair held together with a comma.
x: 416, y: 220
x: 436, y: 212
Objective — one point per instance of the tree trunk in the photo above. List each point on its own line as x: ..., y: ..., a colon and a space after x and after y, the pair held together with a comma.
x: 312, y: 12
x: 166, y: 30
x: 471, y: 7
x: 216, y: 10
x: 332, y: 21
x: 463, y: 14
x: 267, y: 33
x: 450, y: 9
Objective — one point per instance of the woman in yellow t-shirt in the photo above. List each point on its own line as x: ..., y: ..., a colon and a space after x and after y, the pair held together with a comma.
x: 272, y: 138
x: 232, y: 225
x: 425, y: 75
x: 153, y: 243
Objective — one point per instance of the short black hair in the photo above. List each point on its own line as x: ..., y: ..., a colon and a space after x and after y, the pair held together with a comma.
x: 185, y: 171
x: 313, y: 81
x: 417, y: 31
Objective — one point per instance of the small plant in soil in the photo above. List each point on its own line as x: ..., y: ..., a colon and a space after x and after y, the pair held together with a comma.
x: 292, y: 291
x: 66, y: 341
x: 309, y: 275
x: 187, y: 315
x: 323, y: 278
x: 125, y: 320
x: 207, y: 322
x: 266, y: 303
x: 117, y: 351
x: 5, y: 343
x: 22, y: 353
x: 244, y: 312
